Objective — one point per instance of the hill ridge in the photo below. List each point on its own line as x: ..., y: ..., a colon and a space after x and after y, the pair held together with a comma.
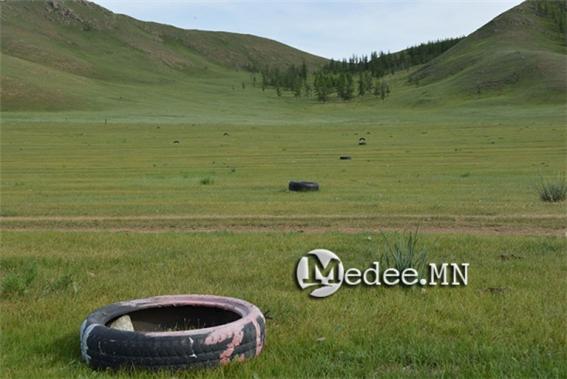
x: 61, y: 55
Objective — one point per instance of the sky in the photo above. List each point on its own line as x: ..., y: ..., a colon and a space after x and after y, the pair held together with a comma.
x: 332, y: 28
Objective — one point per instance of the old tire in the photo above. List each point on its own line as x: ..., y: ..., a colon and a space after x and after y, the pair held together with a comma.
x: 227, y: 329
x: 303, y: 186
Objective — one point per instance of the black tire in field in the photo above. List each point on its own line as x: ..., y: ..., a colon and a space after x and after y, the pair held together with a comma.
x: 174, y: 333
x: 303, y: 186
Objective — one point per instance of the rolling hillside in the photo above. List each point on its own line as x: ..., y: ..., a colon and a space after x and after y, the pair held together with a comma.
x: 64, y: 54
x: 77, y: 56
x: 520, y: 54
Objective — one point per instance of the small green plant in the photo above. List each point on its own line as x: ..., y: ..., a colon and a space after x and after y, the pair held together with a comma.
x: 18, y: 282
x: 553, y: 191
x: 207, y: 180
x: 7, y: 213
x: 59, y: 284
x: 404, y: 253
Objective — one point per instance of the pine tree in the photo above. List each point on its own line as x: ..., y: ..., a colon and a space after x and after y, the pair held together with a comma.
x: 383, y: 90
x: 361, y: 85
x: 306, y: 89
x: 304, y: 70
x: 341, y: 86
x: 376, y: 89
x: 349, y: 88
x: 297, y: 88
x: 368, y: 81
x: 321, y: 86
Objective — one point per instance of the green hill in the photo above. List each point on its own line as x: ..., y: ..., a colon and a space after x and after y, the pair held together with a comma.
x: 66, y: 54
x: 78, y: 56
x: 520, y: 54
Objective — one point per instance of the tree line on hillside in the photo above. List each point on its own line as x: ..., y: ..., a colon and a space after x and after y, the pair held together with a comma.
x: 556, y: 10
x: 381, y: 64
x: 347, y: 86
x: 322, y: 83
x: 357, y: 76
x: 293, y: 79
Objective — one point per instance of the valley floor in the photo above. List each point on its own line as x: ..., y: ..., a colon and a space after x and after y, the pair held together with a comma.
x: 94, y: 213
x: 509, y: 320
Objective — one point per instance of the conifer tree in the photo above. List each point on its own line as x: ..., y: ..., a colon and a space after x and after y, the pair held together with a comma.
x: 321, y: 86
x: 303, y: 71
x: 349, y: 88
x: 376, y: 89
x: 361, y: 84
x: 306, y: 89
x: 383, y: 90
x: 341, y: 86
x: 297, y: 88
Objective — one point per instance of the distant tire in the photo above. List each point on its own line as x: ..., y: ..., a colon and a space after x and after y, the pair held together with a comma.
x: 303, y: 186
x: 174, y: 333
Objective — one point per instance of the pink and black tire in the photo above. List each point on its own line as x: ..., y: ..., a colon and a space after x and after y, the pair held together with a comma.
x: 174, y: 333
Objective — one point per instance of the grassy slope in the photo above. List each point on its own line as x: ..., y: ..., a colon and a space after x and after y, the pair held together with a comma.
x: 85, y: 57
x: 519, y: 56
x: 92, y: 60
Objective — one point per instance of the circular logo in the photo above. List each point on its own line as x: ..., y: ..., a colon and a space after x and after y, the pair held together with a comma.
x: 322, y: 269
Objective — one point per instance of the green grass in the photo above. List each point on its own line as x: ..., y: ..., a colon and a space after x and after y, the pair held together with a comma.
x: 405, y: 252
x: 433, y: 167
x: 52, y: 62
x: 467, y: 332
x: 89, y: 164
x: 106, y: 66
x: 553, y: 190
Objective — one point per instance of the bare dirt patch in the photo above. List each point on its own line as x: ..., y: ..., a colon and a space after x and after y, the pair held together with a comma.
x: 546, y: 224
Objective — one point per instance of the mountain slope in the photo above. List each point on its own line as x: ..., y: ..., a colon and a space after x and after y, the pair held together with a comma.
x: 521, y: 53
x: 77, y: 56
x: 78, y: 40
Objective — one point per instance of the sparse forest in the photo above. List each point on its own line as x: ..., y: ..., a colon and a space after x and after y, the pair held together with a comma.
x: 349, y: 78
x: 556, y: 10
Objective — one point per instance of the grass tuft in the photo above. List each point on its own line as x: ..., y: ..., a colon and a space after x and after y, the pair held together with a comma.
x: 553, y: 191
x: 207, y: 180
x: 17, y: 283
x: 60, y: 284
x: 404, y: 253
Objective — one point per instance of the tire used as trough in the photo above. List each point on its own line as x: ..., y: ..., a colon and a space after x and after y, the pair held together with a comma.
x: 172, y: 332
x: 303, y: 186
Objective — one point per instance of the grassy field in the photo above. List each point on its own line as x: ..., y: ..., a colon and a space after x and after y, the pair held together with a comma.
x: 509, y: 322
x: 134, y: 163
x: 87, y: 207
x: 432, y: 168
